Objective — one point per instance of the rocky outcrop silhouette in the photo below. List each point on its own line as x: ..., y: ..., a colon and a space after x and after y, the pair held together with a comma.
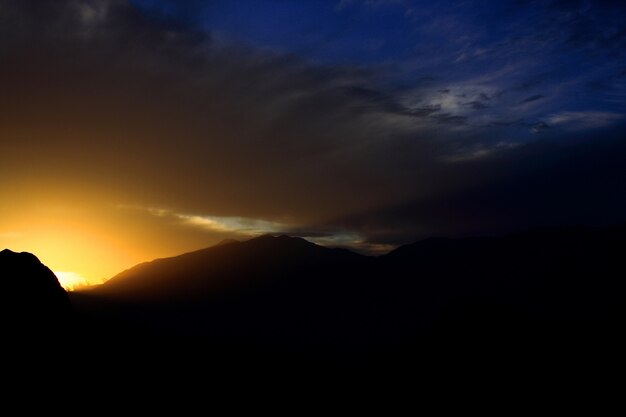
x: 33, y: 302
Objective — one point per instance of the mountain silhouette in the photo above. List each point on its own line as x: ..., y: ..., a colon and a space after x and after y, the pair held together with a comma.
x: 437, y: 298
x: 566, y: 274
x: 225, y: 266
x: 550, y: 298
x: 33, y: 302
x: 546, y: 296
x: 270, y: 291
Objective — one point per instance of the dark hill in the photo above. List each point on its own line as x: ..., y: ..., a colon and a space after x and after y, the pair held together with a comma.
x: 436, y: 304
x: 272, y: 292
x: 574, y: 273
x: 561, y: 287
x: 224, y: 267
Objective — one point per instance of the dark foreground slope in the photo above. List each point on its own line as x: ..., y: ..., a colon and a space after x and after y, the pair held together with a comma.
x: 546, y: 296
x: 550, y: 297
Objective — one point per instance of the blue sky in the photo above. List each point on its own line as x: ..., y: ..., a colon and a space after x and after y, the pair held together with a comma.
x: 529, y: 65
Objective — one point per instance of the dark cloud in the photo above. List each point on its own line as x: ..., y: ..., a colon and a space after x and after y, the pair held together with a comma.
x: 596, y: 27
x: 539, y: 127
x: 543, y: 184
x: 424, y: 111
x: 476, y: 105
x: 532, y: 98
x: 450, y: 119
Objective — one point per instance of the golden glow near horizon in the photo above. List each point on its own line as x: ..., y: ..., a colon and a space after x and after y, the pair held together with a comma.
x: 78, y: 252
x: 87, y: 239
x: 71, y: 280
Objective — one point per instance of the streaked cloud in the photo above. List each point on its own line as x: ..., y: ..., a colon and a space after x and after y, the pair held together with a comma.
x: 211, y: 223
x: 352, y: 241
x: 584, y: 119
x: 240, y: 225
x: 478, y: 152
x: 532, y: 98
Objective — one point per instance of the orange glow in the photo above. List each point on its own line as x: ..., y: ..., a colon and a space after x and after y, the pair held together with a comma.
x: 66, y: 238
x: 70, y: 280
x: 89, y: 238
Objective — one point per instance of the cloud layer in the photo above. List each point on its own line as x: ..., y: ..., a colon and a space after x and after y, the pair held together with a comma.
x: 151, y: 111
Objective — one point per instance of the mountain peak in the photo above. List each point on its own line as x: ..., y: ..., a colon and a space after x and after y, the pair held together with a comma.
x: 279, y: 237
x: 283, y: 241
x: 230, y: 264
x: 227, y: 242
x: 9, y: 254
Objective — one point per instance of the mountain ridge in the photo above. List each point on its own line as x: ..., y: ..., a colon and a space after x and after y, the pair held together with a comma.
x: 260, y: 250
x: 436, y: 303
x: 533, y: 280
x: 428, y: 243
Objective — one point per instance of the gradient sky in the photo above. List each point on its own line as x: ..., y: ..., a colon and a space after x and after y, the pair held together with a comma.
x: 138, y: 129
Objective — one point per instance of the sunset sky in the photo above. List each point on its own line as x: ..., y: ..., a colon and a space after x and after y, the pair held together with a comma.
x: 137, y: 129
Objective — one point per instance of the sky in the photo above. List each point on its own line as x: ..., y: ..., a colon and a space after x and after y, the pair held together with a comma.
x: 137, y: 129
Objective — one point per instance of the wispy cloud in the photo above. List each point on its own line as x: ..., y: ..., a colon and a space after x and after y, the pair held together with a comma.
x: 479, y: 152
x: 584, y: 119
x: 231, y: 224
x: 532, y: 98
x: 352, y: 241
x: 212, y: 223
x: 249, y: 227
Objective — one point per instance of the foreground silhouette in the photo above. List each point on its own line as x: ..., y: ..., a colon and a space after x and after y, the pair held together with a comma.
x: 543, y: 296
x: 33, y: 303
x: 547, y: 301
